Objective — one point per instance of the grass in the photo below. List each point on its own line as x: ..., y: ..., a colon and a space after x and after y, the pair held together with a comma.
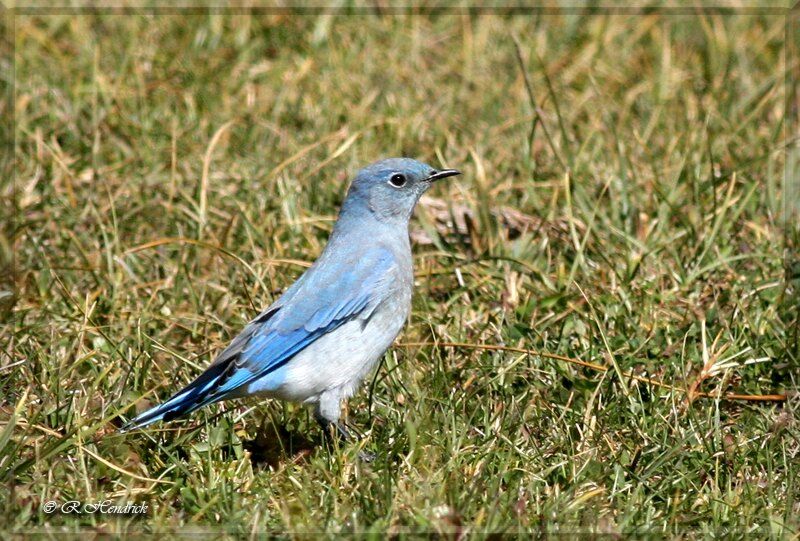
x: 621, y: 206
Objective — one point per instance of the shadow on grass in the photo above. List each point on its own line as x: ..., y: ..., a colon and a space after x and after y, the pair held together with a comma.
x: 276, y: 444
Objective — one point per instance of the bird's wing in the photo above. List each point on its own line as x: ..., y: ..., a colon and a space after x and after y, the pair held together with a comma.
x: 328, y: 295
x: 334, y: 294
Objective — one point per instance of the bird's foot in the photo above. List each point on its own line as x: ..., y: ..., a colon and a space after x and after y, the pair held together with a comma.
x: 334, y: 431
x: 366, y: 456
x: 340, y: 431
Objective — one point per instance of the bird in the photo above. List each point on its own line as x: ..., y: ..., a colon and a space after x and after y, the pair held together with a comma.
x: 328, y: 330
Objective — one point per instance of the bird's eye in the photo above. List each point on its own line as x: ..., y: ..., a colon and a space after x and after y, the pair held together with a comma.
x: 398, y: 180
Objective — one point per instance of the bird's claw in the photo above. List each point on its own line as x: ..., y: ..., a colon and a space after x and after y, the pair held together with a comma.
x: 366, y: 456
x: 339, y: 430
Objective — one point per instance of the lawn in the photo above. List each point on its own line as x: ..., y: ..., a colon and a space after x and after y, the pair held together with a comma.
x: 604, y: 327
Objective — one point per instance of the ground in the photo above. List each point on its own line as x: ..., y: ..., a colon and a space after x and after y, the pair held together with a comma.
x: 608, y: 270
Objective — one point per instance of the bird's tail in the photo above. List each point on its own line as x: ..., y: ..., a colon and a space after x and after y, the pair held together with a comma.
x: 192, y: 397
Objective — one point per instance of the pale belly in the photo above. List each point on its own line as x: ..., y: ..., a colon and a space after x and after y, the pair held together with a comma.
x: 337, y: 360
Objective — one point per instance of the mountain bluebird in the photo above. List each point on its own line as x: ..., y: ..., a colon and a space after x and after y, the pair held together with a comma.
x: 327, y: 331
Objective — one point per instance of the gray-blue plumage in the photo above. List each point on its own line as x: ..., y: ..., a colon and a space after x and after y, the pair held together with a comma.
x: 327, y: 331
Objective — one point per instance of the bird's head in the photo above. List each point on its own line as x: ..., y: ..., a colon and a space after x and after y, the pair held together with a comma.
x: 390, y: 188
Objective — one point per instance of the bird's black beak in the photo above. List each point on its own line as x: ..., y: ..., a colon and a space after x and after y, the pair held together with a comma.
x: 444, y: 173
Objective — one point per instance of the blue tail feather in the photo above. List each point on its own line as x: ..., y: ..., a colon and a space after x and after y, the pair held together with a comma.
x: 184, y: 402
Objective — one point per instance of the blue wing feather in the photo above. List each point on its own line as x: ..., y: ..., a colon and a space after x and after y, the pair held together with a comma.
x: 324, y: 298
x: 314, y: 310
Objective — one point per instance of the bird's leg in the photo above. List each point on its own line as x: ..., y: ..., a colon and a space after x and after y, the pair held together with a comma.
x: 327, y: 413
x: 333, y: 429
